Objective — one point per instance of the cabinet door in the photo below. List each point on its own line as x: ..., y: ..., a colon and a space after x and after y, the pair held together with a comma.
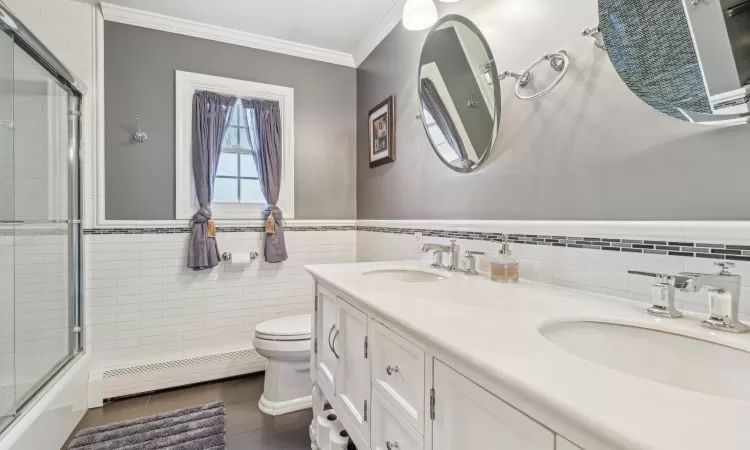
x: 326, y: 331
x: 353, y: 377
x: 467, y: 416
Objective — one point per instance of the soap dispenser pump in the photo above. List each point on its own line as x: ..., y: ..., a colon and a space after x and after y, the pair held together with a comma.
x: 504, y: 269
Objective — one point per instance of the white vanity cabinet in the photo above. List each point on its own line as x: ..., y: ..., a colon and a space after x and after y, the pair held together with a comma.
x: 467, y: 416
x: 563, y: 444
x: 392, y: 393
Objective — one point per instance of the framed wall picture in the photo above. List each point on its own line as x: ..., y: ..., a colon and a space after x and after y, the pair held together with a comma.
x: 382, y: 125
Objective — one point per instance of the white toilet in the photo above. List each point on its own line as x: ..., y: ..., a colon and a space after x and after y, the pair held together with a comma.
x: 285, y: 342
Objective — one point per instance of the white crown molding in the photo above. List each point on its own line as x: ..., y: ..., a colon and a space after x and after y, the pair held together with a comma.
x: 381, y: 30
x: 145, y: 19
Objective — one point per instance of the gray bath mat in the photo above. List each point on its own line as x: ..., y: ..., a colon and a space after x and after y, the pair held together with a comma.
x: 197, y: 428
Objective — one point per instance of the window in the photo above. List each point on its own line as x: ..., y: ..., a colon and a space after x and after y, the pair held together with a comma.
x: 237, y: 193
x: 237, y: 175
x: 438, y: 139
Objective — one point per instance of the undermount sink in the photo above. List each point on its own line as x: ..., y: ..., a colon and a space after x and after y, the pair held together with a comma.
x: 405, y: 275
x: 665, y: 358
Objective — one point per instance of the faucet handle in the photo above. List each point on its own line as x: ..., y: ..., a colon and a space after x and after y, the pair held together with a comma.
x: 662, y: 295
x: 724, y: 267
x: 470, y: 262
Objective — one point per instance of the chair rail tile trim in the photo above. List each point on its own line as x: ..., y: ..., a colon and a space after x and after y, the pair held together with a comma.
x: 178, y: 230
x: 687, y: 249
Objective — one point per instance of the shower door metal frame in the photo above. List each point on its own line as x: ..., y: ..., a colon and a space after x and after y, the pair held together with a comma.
x: 26, y: 40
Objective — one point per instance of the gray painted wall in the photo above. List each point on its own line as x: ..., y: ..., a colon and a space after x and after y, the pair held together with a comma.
x: 139, y: 82
x: 590, y: 150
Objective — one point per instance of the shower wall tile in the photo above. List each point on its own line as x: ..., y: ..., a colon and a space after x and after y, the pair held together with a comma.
x: 142, y: 302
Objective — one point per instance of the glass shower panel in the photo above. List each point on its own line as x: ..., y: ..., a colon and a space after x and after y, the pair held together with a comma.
x: 7, y: 253
x: 44, y: 337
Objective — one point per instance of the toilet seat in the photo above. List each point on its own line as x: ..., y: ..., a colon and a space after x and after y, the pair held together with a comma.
x: 290, y: 328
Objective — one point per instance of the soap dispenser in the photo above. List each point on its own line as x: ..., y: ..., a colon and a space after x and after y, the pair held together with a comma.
x: 504, y: 269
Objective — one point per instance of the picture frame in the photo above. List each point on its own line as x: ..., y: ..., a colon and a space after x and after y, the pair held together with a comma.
x: 381, y: 123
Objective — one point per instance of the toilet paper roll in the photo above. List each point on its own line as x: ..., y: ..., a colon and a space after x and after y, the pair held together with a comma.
x: 241, y: 258
x: 321, y: 419
x: 338, y: 441
x: 329, y: 423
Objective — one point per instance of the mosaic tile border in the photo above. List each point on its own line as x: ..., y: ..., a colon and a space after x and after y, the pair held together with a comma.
x: 671, y: 248
x: 737, y: 102
x: 179, y: 230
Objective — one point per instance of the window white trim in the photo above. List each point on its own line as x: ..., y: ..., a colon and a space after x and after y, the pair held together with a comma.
x: 187, y: 84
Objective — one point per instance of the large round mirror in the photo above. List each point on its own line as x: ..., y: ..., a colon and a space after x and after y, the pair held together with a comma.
x: 459, y: 97
x: 689, y: 59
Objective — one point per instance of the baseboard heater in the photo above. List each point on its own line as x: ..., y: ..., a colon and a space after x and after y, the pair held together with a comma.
x: 112, y: 382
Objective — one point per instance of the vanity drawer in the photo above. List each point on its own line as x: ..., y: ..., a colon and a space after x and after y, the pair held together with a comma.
x: 398, y: 373
x: 390, y: 431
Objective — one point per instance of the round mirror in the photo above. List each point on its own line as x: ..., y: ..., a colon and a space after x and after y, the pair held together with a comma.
x: 458, y: 92
x: 689, y: 59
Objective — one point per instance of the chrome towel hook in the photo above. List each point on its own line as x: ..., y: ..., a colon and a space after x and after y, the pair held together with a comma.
x: 140, y: 136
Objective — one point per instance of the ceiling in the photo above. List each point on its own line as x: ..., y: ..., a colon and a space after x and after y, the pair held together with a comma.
x: 340, y: 25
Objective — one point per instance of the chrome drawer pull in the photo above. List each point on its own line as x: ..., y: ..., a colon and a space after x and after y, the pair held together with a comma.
x: 330, y: 333
x: 333, y: 344
x: 391, y: 445
x: 390, y: 370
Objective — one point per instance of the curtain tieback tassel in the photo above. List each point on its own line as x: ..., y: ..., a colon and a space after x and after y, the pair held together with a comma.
x: 211, y: 228
x: 271, y: 221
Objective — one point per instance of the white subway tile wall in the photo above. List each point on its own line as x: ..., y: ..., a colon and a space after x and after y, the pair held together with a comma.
x: 142, y: 302
x: 583, y: 269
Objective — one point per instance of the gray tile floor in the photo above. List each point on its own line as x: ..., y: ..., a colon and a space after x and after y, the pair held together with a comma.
x: 247, y: 427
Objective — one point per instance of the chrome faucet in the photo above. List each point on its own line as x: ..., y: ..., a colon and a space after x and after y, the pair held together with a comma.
x: 438, y: 251
x: 454, y: 252
x: 723, y: 295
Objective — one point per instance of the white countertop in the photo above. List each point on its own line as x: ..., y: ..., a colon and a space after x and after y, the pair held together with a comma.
x: 493, y: 327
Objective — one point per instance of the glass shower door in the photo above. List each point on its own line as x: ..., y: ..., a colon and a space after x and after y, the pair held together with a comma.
x: 7, y: 231
x: 39, y: 225
x: 44, y: 204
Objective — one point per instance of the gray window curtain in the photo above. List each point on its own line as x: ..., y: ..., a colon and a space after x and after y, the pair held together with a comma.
x: 210, y: 118
x: 432, y: 102
x: 264, y: 120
